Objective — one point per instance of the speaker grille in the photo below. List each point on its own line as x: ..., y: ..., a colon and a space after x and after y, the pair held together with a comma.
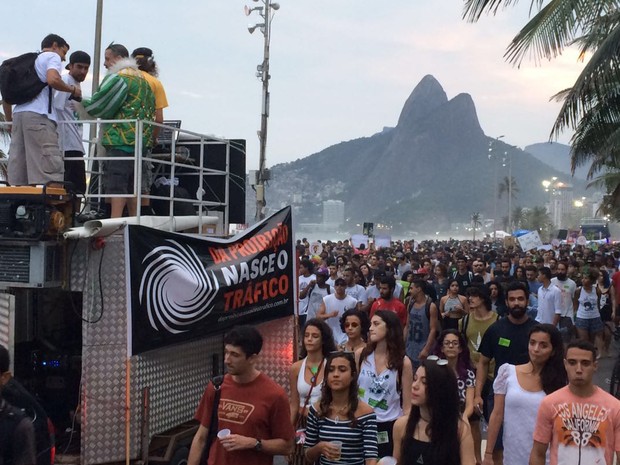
x: 14, y: 263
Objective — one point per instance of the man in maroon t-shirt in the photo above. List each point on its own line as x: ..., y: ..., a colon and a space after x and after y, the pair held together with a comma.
x: 253, y: 407
x: 387, y: 301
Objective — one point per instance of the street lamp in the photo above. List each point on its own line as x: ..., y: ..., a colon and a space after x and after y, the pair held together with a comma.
x: 266, y: 12
x: 492, y: 155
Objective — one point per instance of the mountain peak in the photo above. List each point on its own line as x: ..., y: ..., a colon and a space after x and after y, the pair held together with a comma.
x: 425, y: 97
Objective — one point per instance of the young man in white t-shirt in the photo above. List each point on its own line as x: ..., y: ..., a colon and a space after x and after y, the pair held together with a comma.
x: 71, y: 135
x: 34, y: 154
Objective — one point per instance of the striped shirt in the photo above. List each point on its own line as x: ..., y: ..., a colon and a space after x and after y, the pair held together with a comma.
x: 358, y: 443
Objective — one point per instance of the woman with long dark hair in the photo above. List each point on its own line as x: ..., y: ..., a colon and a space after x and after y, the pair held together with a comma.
x: 452, y: 306
x: 440, y: 282
x: 355, y: 324
x: 452, y: 346
x: 306, y: 375
x: 385, y: 374
x: 607, y: 305
x: 433, y: 432
x: 519, y: 389
x: 498, y: 301
x: 341, y: 428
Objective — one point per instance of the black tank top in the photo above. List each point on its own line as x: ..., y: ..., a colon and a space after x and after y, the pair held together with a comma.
x: 416, y: 452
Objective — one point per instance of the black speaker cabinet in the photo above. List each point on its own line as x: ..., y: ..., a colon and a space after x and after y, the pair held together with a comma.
x: 215, y: 185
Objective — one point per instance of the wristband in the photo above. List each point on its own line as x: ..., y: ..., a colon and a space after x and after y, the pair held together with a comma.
x: 488, y: 453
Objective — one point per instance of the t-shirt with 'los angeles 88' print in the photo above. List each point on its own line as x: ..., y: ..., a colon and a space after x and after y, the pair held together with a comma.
x: 580, y: 430
x: 258, y: 409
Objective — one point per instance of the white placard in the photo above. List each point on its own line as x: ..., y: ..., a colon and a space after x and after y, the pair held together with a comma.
x: 383, y: 241
x: 359, y: 239
x: 530, y: 241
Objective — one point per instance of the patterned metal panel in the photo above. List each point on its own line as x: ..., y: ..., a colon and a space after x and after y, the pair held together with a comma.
x: 104, y: 353
x: 7, y: 321
x: 276, y: 356
x: 176, y: 376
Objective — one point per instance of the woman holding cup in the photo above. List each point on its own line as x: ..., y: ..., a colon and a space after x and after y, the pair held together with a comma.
x: 341, y: 427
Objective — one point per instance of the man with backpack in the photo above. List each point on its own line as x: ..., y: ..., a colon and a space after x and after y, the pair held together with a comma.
x: 17, y: 445
x: 30, y: 441
x: 27, y: 82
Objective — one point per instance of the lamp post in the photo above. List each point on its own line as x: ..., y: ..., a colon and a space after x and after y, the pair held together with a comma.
x: 509, y: 189
x: 494, y: 156
x: 266, y: 12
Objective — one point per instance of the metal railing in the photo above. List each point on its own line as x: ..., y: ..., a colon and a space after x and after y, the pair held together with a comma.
x: 183, y: 155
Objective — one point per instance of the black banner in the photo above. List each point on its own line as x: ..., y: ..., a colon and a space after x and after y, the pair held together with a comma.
x: 183, y: 288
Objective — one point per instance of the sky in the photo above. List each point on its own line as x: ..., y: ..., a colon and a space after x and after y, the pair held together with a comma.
x: 340, y: 69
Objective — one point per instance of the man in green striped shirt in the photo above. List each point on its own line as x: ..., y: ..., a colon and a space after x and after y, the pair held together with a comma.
x: 124, y: 94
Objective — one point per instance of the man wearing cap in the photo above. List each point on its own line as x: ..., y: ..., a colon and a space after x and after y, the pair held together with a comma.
x: 146, y: 63
x: 317, y: 289
x: 71, y: 135
x: 34, y: 154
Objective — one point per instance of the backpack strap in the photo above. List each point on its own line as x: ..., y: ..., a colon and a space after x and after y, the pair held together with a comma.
x: 465, y: 322
x: 217, y: 384
x: 49, y: 100
x: 427, y: 308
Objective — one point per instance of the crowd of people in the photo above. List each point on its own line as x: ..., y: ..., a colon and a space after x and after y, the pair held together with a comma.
x: 464, y: 335
x: 44, y: 129
x: 407, y: 353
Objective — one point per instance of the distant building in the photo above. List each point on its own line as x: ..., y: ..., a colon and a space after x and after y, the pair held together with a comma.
x: 560, y: 202
x: 333, y: 212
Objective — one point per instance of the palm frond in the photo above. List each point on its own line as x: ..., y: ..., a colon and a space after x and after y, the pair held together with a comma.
x: 600, y: 79
x: 473, y: 9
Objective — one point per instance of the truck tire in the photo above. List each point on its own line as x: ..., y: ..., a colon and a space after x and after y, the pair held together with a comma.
x: 180, y: 456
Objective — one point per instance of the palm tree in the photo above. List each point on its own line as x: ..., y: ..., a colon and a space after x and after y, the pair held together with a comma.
x: 518, y: 217
x: 509, y: 187
x: 475, y: 222
x: 538, y: 219
x: 592, y: 105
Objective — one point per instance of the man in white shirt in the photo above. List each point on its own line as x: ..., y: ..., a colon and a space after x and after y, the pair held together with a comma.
x: 567, y: 289
x: 355, y: 290
x: 71, y: 135
x: 549, y: 299
x: 333, y: 307
x: 34, y: 154
x: 305, y: 280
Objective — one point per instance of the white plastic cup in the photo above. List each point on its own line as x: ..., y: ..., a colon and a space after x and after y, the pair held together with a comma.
x: 221, y: 434
x: 387, y: 460
x: 337, y: 444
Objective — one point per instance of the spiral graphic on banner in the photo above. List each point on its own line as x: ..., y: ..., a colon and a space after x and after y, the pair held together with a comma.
x: 176, y: 288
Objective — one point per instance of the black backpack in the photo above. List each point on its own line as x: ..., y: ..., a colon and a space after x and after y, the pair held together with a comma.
x: 9, y: 419
x: 19, y: 82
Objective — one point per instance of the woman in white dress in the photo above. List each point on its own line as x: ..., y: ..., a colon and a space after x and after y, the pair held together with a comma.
x: 519, y: 389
